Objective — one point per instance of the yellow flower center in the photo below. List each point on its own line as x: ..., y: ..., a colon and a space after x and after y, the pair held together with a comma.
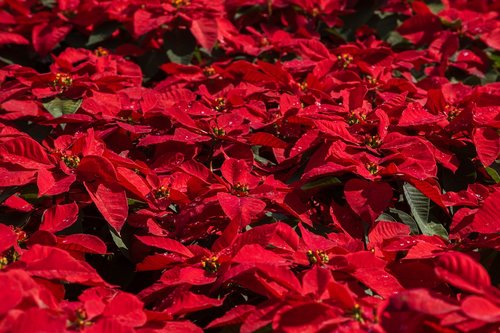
x: 220, y: 104
x: 209, y: 71
x: 162, y: 192
x: 372, y: 167
x: 101, y: 52
x: 318, y: 256
x: 180, y: 3
x: 372, y: 141
x: 71, y: 161
x: 62, y: 81
x: 240, y: 189
x: 210, y: 264
x: 345, y: 59
x: 452, y: 111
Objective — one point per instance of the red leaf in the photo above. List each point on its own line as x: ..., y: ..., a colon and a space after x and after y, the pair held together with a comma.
x: 50, y: 183
x: 205, y: 30
x: 421, y: 300
x: 186, y: 275
x: 25, y: 152
x: 12, y: 292
x: 304, y: 318
x: 415, y: 115
x: 238, y: 171
x: 268, y: 140
x: 105, y: 325
x: 254, y: 253
x: 12, y: 38
x: 386, y: 230
x: 95, y: 167
x: 46, y: 36
x: 12, y: 176
x: 241, y: 209
x: 59, y: 217
x: 167, y: 244
x: 82, y: 243
x: 486, y: 219
x: 39, y: 320
x: 487, y: 143
x: 420, y: 29
x: 111, y: 201
x: 8, y: 237
x: 336, y: 129
x: 187, y: 302
x: 368, y: 199
x: 481, y: 309
x: 463, y: 272
x: 53, y: 263
x: 236, y: 315
x: 126, y: 309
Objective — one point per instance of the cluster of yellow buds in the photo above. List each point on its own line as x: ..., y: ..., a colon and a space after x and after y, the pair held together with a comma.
x: 81, y: 318
x: 357, y: 313
x: 318, y: 256
x: 355, y: 118
x: 101, y: 52
x: 303, y: 86
x: 240, y: 189
x: 71, y: 161
x: 452, y: 111
x: 372, y: 80
x: 180, y: 3
x: 210, y: 264
x: 220, y: 104
x: 218, y: 131
x: 62, y: 81
x: 4, y: 261
x: 372, y: 167
x: 209, y: 71
x: 162, y: 192
x: 373, y: 141
x: 345, y: 59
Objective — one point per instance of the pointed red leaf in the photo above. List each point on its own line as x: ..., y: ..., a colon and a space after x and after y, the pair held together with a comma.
x: 368, y: 199
x: 126, y: 309
x: 8, y: 237
x: 205, y: 30
x: 46, y: 36
x: 487, y: 142
x: 53, y: 263
x: 481, y: 309
x: 59, y: 217
x: 463, y: 272
x: 241, y: 209
x: 111, y: 201
x: 267, y: 139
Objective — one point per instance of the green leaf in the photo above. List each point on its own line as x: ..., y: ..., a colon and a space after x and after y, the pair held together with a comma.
x: 119, y: 242
x: 48, y: 3
x: 102, y: 32
x: 435, y: 7
x: 321, y: 182
x: 420, y: 209
x: 406, y: 219
x: 493, y: 174
x: 58, y: 107
x: 258, y: 158
x: 386, y: 217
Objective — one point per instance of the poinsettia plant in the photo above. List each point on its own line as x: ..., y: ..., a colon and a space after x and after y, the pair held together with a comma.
x: 249, y: 166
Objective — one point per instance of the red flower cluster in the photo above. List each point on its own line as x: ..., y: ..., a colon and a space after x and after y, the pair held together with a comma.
x: 249, y: 166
